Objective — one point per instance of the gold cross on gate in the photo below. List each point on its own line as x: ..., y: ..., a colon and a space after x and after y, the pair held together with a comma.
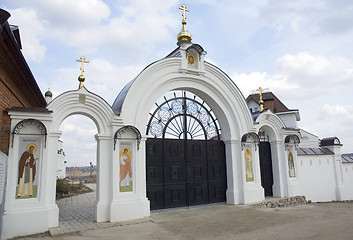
x: 82, y: 60
x: 183, y: 7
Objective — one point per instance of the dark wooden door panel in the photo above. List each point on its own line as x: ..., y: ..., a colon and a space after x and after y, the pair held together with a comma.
x: 196, y: 172
x: 174, y: 172
x: 217, y: 191
x: 266, y: 167
x: 197, y: 193
x: 155, y: 193
x: 175, y: 195
x: 185, y: 172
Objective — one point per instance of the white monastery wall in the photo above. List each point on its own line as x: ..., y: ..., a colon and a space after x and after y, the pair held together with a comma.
x: 316, y: 178
x: 347, y: 170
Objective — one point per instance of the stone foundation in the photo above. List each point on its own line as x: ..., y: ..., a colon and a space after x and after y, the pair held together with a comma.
x: 281, y: 202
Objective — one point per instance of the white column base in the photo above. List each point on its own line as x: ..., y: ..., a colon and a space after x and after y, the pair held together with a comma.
x: 233, y: 196
x: 129, y: 210
x: 38, y: 220
x: 101, y: 212
x: 254, y: 195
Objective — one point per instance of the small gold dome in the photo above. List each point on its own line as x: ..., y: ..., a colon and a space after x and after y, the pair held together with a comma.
x: 184, y: 35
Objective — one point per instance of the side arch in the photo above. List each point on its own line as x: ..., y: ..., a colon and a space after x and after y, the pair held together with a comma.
x: 99, y: 111
x: 82, y: 102
x: 273, y: 127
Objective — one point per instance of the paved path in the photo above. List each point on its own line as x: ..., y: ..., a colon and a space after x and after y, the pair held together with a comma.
x: 76, y: 214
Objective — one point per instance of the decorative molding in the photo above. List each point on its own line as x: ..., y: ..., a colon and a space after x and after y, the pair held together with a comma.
x: 118, y: 134
x: 291, y: 140
x: 27, y: 122
x: 248, y: 139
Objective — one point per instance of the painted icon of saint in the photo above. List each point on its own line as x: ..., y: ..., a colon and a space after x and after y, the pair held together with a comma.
x: 125, y: 170
x: 248, y: 166
x: 291, y: 167
x: 27, y: 172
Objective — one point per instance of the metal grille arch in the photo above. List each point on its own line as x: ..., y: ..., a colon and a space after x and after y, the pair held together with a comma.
x: 183, y: 115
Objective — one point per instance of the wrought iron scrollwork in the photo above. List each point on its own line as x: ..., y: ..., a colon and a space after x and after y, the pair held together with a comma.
x: 248, y: 139
x: 119, y: 134
x: 183, y: 116
x: 30, y: 122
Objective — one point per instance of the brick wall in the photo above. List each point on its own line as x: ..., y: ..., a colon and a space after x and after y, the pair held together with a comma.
x: 18, y: 87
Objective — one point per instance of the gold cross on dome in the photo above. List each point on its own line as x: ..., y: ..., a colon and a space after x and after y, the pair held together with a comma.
x: 82, y: 60
x: 183, y: 7
x: 261, y: 102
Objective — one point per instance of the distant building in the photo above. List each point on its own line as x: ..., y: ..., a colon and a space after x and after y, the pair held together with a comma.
x: 61, y: 171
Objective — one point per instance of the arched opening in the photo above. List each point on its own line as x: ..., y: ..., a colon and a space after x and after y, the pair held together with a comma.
x: 266, y: 166
x: 79, y: 148
x: 184, y: 155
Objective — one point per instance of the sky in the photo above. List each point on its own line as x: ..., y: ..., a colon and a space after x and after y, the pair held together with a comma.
x: 300, y: 50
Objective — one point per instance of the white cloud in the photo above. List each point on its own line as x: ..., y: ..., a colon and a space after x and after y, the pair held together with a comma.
x: 302, y: 76
x: 102, y: 77
x: 31, y: 32
x: 78, y: 133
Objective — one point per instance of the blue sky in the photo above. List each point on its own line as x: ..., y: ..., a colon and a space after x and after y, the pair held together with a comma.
x: 301, y: 50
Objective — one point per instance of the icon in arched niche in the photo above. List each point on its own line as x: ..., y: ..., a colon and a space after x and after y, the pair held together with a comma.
x: 126, y: 174
x: 248, y: 165
x: 29, y: 154
x: 291, y: 168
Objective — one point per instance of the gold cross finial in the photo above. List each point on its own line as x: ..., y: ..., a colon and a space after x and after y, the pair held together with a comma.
x: 82, y: 60
x: 261, y: 101
x: 183, y: 7
x: 81, y: 78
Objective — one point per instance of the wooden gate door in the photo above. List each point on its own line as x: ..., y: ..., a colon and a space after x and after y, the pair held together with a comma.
x: 185, y: 159
x: 185, y: 172
x: 266, y: 167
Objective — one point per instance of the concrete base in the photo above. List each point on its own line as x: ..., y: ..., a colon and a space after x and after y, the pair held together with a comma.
x: 39, y: 220
x: 254, y: 195
x: 129, y: 209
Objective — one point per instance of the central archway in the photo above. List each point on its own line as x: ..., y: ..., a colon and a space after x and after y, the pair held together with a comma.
x: 185, y: 160
x: 212, y: 85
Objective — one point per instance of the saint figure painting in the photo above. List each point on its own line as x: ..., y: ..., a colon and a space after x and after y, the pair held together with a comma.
x: 248, y: 166
x: 291, y: 167
x: 27, y: 168
x: 125, y: 159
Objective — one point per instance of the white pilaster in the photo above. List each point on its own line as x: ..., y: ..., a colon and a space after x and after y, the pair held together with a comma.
x: 280, y: 179
x: 234, y: 192
x: 104, y: 181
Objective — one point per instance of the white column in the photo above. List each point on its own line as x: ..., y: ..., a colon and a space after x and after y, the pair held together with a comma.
x: 104, y: 178
x: 280, y: 179
x: 253, y: 191
x: 234, y: 172
x: 50, y: 164
x: 133, y: 205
